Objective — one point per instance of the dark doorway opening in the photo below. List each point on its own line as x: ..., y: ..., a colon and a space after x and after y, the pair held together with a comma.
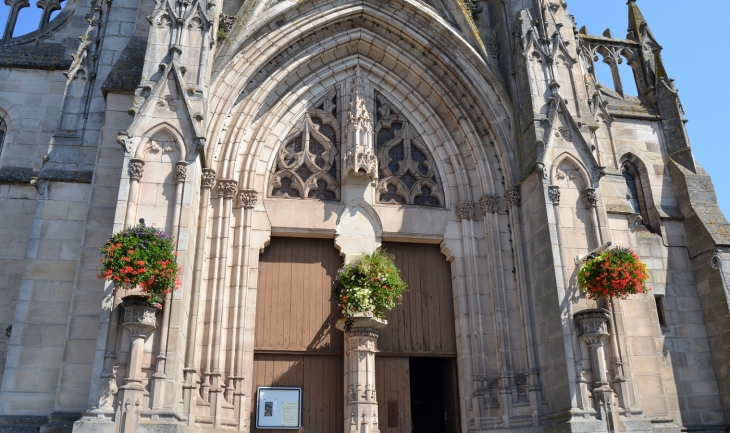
x: 434, y: 397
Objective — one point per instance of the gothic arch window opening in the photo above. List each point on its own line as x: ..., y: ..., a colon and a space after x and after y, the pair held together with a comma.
x: 613, y: 67
x: 635, y: 191
x: 24, y: 18
x: 3, y: 133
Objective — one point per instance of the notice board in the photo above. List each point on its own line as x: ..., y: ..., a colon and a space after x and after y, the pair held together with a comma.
x: 279, y: 408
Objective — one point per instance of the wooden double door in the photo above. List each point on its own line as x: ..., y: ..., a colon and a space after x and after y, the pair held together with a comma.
x: 297, y: 343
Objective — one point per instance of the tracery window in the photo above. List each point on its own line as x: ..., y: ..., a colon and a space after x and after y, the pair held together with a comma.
x: 3, y: 132
x: 406, y: 170
x: 309, y: 163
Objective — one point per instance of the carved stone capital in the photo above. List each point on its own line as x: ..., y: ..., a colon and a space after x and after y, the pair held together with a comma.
x: 247, y: 198
x: 489, y: 203
x: 590, y: 197
x: 465, y: 211
x: 227, y: 188
x: 554, y: 194
x: 361, y: 162
x: 136, y: 169
x: 208, y: 178
x: 512, y: 196
x: 181, y: 171
x: 139, y: 319
x: 593, y: 323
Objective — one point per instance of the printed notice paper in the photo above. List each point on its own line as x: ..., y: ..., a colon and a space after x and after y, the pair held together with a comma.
x: 289, y: 413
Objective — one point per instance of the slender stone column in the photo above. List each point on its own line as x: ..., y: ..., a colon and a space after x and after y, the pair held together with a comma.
x: 136, y: 170
x: 139, y: 320
x: 158, y: 381
x: 361, y: 400
x: 593, y: 324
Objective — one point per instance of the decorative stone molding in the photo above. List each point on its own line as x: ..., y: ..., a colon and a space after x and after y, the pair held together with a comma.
x: 140, y: 315
x: 361, y: 161
x: 247, y: 198
x: 592, y: 322
x: 136, y: 169
x: 512, y: 196
x: 360, y: 156
x: 181, y: 171
x: 208, y: 179
x: 489, y: 203
x: 465, y: 211
x: 590, y: 197
x: 227, y: 188
x: 554, y: 194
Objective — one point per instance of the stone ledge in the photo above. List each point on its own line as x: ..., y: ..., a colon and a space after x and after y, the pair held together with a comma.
x: 23, y: 175
x: 43, y: 56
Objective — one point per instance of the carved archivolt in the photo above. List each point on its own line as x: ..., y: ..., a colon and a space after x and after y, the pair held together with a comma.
x: 407, y: 170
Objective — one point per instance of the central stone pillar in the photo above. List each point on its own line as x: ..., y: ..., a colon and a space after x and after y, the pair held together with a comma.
x: 361, y: 401
x: 358, y: 232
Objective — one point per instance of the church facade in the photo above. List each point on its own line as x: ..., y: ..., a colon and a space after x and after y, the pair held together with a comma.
x: 276, y: 140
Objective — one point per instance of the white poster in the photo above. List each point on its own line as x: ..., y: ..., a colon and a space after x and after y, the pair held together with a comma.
x: 279, y: 408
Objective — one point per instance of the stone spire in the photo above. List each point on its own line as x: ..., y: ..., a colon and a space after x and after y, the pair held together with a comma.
x: 360, y: 156
x: 638, y: 28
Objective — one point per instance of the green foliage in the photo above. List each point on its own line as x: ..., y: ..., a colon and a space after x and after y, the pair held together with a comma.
x: 615, y: 273
x: 143, y: 257
x: 369, y: 284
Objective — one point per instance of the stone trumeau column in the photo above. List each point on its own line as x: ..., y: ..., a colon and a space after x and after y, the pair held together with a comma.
x: 359, y: 231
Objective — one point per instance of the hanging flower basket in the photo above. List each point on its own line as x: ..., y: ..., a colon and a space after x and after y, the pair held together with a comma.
x: 615, y: 273
x: 142, y: 257
x: 370, y: 284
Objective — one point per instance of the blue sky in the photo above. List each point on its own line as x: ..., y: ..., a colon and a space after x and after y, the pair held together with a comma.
x: 694, y: 54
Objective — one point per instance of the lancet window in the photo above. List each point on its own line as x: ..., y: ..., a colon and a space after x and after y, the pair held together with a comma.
x: 3, y: 132
x: 635, y: 192
x: 309, y: 163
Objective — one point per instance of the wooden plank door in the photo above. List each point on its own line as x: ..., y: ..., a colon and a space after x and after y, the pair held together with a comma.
x: 424, y: 322
x: 392, y: 381
x: 296, y: 343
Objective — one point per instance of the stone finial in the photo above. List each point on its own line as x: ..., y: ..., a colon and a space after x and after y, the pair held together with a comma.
x: 590, y: 197
x: 208, y: 178
x: 554, y: 194
x: 465, y: 211
x: 512, y: 196
x: 489, y: 203
x: 136, y: 169
x: 247, y: 198
x: 227, y: 188
x: 181, y: 171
